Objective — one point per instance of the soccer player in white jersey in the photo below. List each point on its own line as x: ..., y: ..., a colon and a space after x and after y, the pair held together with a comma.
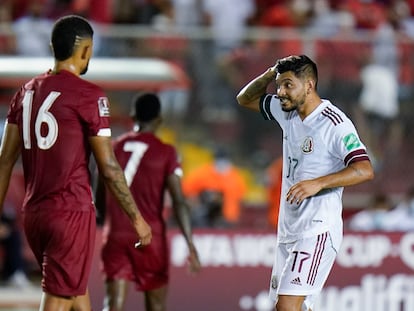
x: 322, y: 153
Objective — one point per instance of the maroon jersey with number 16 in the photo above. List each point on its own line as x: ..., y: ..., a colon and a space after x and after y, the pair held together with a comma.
x: 56, y: 113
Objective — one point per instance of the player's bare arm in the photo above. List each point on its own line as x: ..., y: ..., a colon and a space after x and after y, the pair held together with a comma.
x: 355, y: 173
x: 9, y: 153
x: 249, y: 96
x: 100, y: 193
x: 183, y: 216
x: 114, y: 178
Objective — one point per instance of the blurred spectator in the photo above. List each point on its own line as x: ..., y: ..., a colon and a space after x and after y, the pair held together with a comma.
x: 379, y: 106
x: 98, y: 11
x: 136, y: 11
x: 274, y: 188
x: 327, y: 19
x: 228, y: 21
x: 375, y: 217
x: 368, y: 14
x: 380, y: 94
x: 187, y: 13
x: 7, y: 39
x: 32, y: 32
x: 401, y: 218
x: 219, y: 188
x: 163, y: 20
x: 382, y: 215
x: 11, y: 240
x: 291, y: 13
x: 126, y: 11
x: 165, y: 42
x: 340, y: 58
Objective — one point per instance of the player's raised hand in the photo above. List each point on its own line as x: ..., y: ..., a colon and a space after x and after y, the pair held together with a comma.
x: 143, y: 230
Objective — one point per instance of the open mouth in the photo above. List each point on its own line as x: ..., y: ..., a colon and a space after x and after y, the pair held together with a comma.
x: 284, y: 101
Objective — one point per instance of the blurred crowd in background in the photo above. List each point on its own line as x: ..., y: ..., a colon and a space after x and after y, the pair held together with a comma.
x: 364, y: 50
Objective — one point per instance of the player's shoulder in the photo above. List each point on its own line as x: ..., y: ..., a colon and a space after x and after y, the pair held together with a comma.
x: 80, y: 84
x: 30, y: 84
x: 162, y: 145
x: 90, y: 87
x: 331, y: 115
x: 163, y: 148
x: 146, y: 138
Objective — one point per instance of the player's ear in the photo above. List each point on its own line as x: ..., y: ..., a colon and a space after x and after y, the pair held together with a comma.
x: 85, y: 48
x: 85, y: 51
x: 310, y: 85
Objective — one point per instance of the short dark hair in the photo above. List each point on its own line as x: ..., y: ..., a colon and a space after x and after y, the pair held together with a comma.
x: 146, y: 107
x: 301, y: 65
x: 66, y: 31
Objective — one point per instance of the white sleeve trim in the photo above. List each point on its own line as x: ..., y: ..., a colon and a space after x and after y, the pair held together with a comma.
x: 104, y: 132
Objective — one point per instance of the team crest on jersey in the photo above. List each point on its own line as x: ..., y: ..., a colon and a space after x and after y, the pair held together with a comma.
x: 103, y: 105
x: 307, y: 145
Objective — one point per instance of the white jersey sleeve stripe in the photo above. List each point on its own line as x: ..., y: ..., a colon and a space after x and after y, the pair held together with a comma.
x: 106, y: 132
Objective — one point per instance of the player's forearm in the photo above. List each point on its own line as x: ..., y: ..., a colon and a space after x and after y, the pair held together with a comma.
x: 100, y: 194
x: 255, y: 88
x: 115, y: 181
x: 9, y: 153
x: 354, y: 174
x: 183, y: 216
x: 4, y: 183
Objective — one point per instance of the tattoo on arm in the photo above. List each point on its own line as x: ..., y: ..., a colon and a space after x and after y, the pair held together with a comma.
x: 256, y: 89
x: 120, y: 190
x: 357, y: 170
x: 258, y: 86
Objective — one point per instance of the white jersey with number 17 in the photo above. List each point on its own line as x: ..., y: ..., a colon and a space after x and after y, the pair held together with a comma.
x: 325, y: 142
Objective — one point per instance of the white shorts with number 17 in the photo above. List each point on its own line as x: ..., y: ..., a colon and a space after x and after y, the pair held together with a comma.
x: 302, y: 267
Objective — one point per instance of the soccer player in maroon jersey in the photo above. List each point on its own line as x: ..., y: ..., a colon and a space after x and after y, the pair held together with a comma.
x: 54, y: 122
x: 151, y: 167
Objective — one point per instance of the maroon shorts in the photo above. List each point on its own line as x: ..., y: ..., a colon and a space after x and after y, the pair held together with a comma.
x: 63, y: 244
x: 146, y: 266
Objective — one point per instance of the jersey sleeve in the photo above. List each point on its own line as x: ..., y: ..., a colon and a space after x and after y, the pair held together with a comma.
x: 347, y: 144
x: 174, y: 164
x: 95, y: 112
x: 271, y: 110
x: 14, y: 108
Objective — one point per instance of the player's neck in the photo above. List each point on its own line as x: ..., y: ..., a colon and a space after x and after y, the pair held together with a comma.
x: 66, y: 65
x: 146, y: 128
x: 309, y: 106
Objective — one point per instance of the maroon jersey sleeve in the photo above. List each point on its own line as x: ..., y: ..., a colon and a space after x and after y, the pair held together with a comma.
x: 13, y: 110
x: 94, y: 111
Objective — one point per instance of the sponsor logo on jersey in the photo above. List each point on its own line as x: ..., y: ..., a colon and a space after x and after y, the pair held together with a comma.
x: 351, y: 141
x: 307, y: 145
x: 296, y: 281
x: 103, y: 105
